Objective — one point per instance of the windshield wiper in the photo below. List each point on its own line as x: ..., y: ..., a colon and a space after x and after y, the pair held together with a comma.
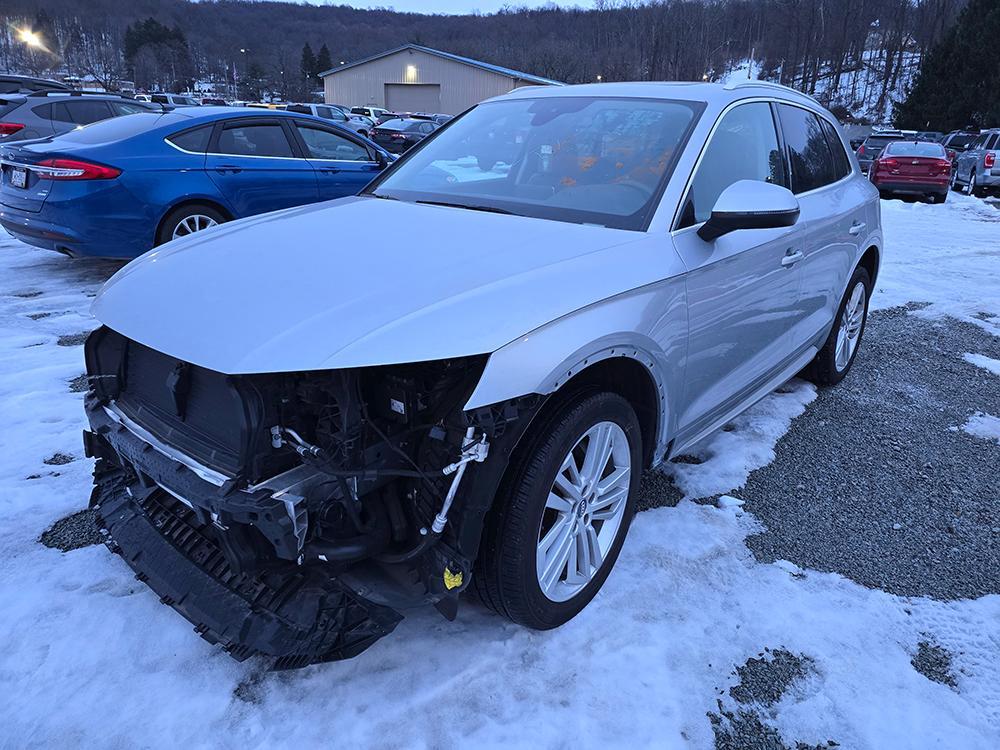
x: 487, y: 209
x: 383, y: 196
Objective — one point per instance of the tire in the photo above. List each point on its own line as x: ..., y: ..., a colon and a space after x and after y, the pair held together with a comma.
x: 199, y: 215
x: 827, y: 368
x: 970, y: 188
x: 507, y: 576
x: 954, y: 179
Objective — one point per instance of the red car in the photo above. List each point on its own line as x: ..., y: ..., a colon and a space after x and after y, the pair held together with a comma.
x: 913, y: 167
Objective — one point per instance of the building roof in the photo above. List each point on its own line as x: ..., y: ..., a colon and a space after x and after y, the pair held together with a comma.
x: 519, y: 75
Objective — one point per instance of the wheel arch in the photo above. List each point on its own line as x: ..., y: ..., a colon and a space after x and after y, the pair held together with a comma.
x: 870, y: 261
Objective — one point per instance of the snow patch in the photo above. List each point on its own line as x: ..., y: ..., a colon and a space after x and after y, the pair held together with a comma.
x: 981, y: 360
x: 984, y: 426
x: 744, y: 445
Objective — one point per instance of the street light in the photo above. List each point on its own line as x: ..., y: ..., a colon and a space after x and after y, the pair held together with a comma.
x: 599, y: 78
x: 30, y: 38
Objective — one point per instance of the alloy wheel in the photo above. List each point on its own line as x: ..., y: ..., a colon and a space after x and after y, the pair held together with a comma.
x: 972, y: 184
x: 584, y: 511
x: 851, y: 322
x: 191, y: 224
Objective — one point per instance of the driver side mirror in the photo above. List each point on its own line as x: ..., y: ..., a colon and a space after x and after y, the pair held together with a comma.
x: 381, y: 160
x: 750, y: 204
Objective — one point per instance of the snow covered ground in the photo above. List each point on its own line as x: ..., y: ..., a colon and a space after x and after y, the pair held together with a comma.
x: 90, y: 658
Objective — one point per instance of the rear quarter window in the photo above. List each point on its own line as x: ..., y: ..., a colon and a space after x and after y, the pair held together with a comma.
x: 195, y: 140
x: 808, y: 152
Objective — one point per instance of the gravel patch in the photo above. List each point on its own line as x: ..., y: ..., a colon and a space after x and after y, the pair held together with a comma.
x: 58, y: 459
x: 78, y: 384
x: 765, y: 680
x: 934, y: 663
x: 73, y: 532
x: 875, y: 483
x: 73, y: 339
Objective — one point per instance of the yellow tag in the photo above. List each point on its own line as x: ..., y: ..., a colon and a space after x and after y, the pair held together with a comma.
x: 452, y: 580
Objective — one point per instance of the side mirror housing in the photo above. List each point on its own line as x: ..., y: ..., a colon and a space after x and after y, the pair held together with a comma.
x: 750, y: 204
x: 380, y: 159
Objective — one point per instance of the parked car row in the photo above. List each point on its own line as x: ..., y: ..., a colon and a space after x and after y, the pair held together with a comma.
x: 930, y: 163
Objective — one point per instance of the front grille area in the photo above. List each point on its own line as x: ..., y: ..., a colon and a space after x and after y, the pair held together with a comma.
x: 202, y: 413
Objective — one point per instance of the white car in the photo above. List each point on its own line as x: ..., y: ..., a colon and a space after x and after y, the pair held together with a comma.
x: 358, y: 123
x: 298, y: 439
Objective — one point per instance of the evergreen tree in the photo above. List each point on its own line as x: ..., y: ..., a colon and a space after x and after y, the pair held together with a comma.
x: 323, y: 61
x: 958, y: 83
x: 308, y: 64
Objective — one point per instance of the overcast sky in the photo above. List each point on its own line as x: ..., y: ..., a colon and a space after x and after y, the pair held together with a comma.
x: 450, y: 6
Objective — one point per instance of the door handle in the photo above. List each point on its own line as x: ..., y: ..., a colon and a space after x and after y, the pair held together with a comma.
x: 330, y: 170
x: 223, y: 168
x: 856, y: 228
x: 792, y: 257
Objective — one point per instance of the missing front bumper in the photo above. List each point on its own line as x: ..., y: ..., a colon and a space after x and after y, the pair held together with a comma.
x: 291, y: 615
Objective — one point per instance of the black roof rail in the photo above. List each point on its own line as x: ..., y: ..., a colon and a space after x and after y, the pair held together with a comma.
x: 73, y: 93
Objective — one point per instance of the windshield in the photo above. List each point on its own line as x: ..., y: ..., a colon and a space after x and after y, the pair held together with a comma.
x: 878, y: 143
x: 575, y: 159
x: 910, y: 148
x: 961, y: 141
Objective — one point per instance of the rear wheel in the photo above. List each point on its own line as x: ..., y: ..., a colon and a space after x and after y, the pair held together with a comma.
x: 834, y: 360
x: 971, y: 188
x: 185, y: 220
x: 562, y: 513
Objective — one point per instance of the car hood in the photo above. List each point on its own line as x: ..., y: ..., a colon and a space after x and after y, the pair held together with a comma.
x: 361, y: 281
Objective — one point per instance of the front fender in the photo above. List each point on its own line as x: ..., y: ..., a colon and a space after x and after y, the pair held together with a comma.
x: 648, y: 325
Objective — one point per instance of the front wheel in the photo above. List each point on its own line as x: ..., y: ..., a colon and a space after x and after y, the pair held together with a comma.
x: 562, y: 513
x: 834, y: 360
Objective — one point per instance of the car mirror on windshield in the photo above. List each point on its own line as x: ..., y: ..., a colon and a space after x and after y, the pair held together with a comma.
x: 750, y: 204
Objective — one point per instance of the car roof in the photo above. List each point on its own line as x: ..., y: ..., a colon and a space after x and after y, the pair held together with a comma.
x: 711, y: 93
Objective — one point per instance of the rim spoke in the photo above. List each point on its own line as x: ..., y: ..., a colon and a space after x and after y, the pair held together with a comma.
x: 559, y: 504
x: 608, y: 498
x: 599, y: 450
x: 615, y: 478
x: 584, y: 559
x: 553, y: 565
x: 593, y: 542
x: 568, y: 488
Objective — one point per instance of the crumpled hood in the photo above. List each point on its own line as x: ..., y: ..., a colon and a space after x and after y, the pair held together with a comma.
x: 359, y: 282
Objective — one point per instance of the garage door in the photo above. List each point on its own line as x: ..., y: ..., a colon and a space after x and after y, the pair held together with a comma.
x: 413, y: 97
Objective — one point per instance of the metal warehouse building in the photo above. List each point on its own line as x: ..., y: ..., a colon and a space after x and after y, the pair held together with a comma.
x: 412, y: 78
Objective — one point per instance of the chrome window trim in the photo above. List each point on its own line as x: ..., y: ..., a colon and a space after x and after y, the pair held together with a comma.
x: 711, y: 134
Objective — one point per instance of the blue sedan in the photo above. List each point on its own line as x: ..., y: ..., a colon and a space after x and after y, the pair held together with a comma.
x: 119, y: 187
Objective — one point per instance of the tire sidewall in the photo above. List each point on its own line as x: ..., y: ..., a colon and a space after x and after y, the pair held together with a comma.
x: 595, y: 408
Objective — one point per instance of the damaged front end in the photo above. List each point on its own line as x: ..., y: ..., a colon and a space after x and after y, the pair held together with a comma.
x: 291, y: 515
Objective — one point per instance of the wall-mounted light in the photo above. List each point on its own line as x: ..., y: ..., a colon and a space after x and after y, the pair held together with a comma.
x: 411, y: 73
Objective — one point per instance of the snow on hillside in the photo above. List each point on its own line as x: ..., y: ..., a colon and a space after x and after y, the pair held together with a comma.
x: 91, y: 658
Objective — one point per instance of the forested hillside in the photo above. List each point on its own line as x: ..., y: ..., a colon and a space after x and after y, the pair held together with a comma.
x: 859, y: 54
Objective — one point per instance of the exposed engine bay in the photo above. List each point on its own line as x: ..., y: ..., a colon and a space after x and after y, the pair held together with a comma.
x: 290, y: 515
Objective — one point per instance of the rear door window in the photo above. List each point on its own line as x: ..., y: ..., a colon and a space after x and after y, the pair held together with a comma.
x: 195, y: 140
x: 991, y: 143
x: 743, y: 147
x: 806, y: 149
x: 255, y: 139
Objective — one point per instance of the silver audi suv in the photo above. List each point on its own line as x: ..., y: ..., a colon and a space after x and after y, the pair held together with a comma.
x: 298, y: 439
